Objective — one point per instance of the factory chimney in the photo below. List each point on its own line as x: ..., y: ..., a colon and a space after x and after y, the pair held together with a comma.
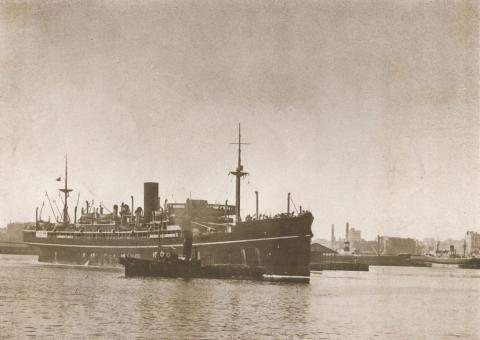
x: 288, y: 204
x: 332, y: 240
x: 256, y: 205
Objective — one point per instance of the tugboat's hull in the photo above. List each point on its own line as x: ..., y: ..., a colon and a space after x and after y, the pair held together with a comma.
x: 144, y: 267
x: 188, y: 269
x: 280, y: 245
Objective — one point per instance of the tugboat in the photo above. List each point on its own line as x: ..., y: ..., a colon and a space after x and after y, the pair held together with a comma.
x: 280, y: 244
x: 167, y: 264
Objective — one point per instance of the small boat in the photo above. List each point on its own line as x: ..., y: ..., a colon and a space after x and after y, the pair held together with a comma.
x: 179, y: 267
x: 173, y: 266
x: 453, y: 261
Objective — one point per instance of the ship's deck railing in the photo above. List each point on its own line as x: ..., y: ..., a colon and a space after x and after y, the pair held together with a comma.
x: 265, y: 217
x: 111, y: 235
x: 217, y: 209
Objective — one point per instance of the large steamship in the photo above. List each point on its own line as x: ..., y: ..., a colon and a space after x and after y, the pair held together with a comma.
x: 280, y: 244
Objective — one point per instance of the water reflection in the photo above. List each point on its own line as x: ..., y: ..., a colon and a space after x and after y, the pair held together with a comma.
x: 46, y: 301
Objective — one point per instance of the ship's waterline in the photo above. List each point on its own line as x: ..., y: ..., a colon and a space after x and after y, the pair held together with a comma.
x: 87, y: 246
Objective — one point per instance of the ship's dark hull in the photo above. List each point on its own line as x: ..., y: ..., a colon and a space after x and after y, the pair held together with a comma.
x: 280, y: 245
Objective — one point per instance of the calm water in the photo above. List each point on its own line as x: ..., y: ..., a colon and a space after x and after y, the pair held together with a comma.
x: 38, y: 300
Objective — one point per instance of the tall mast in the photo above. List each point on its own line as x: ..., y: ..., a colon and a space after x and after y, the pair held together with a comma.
x: 238, y: 173
x: 65, y: 191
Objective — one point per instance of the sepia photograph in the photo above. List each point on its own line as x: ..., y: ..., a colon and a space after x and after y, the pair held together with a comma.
x: 227, y: 169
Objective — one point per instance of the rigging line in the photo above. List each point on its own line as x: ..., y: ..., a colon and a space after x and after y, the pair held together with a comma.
x: 41, y: 209
x: 59, y: 213
x: 61, y: 198
x: 51, y: 207
x: 220, y: 189
x: 203, y: 225
x: 95, y: 198
x: 291, y: 200
x: 231, y: 187
x: 104, y: 207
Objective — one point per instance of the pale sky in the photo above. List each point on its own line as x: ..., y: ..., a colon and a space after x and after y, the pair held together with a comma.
x: 366, y: 111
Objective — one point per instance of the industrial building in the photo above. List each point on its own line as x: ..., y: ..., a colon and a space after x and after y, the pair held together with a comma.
x: 472, y: 243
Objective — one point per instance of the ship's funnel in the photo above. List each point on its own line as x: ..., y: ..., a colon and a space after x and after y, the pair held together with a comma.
x: 150, y: 199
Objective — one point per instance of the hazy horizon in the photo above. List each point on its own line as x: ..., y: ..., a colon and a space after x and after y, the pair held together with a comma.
x: 366, y: 112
